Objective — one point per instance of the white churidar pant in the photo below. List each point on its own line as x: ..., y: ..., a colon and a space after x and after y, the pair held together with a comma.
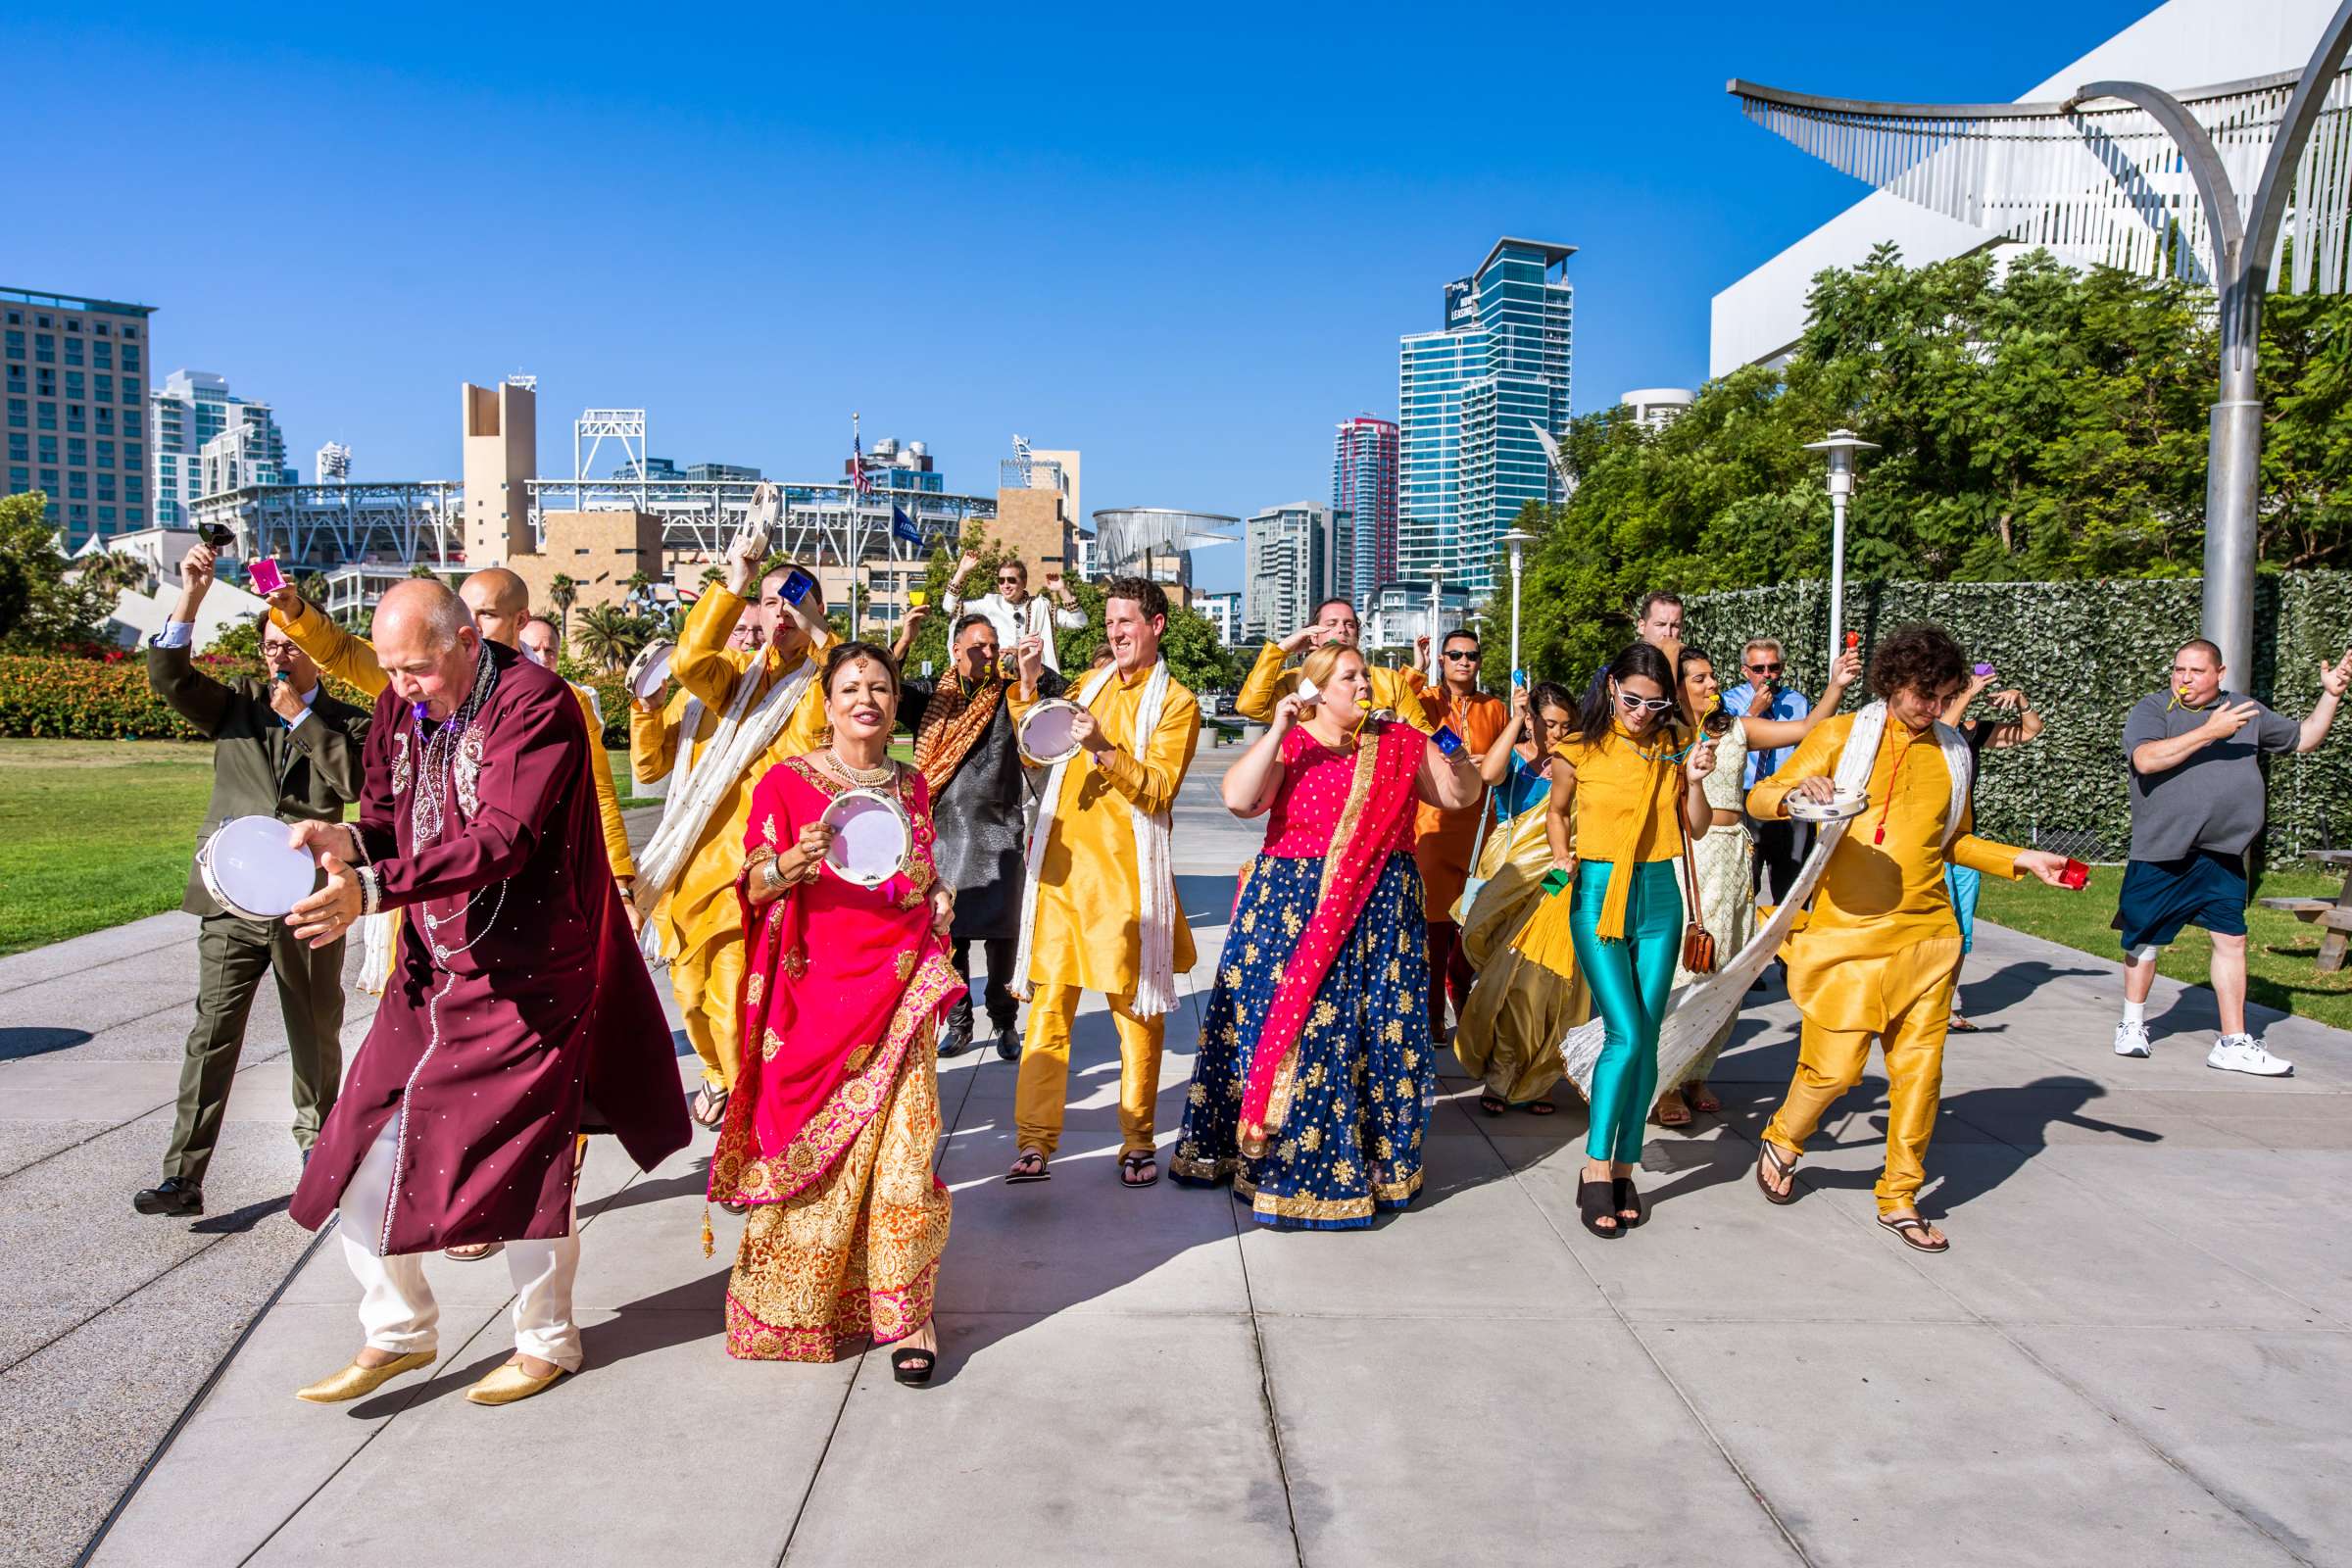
x: 397, y: 1309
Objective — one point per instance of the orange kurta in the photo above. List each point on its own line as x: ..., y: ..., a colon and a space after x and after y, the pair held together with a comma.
x: 1445, y: 839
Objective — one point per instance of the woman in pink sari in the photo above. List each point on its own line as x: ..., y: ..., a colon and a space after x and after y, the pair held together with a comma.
x: 1316, y: 1068
x: 830, y: 1135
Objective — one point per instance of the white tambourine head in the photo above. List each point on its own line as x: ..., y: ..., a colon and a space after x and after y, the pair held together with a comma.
x: 1843, y: 805
x: 870, y: 837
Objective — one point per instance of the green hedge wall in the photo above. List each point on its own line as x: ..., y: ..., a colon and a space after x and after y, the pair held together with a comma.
x: 2083, y: 653
x: 68, y: 698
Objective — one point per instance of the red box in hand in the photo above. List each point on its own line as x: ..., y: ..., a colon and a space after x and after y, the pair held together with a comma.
x: 2077, y: 875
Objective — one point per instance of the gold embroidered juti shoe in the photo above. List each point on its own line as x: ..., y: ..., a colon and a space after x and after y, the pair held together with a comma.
x: 508, y: 1383
x: 356, y: 1380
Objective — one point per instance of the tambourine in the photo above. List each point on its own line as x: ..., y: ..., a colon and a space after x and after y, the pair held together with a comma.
x: 252, y: 872
x: 1844, y: 805
x: 1046, y: 734
x: 649, y: 671
x: 871, y: 837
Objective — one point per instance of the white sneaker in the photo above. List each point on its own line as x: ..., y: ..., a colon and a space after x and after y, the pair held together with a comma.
x: 2131, y: 1039
x: 2244, y: 1054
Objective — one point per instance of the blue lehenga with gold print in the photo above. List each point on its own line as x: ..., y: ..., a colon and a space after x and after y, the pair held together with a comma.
x: 1346, y: 1101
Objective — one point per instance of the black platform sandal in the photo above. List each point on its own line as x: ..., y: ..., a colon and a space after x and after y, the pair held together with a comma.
x: 1624, y: 1197
x: 1595, y: 1201
x: 913, y: 1366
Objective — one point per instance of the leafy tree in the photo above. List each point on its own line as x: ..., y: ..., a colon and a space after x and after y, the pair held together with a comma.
x: 420, y: 569
x: 563, y: 593
x: 2036, y: 423
x: 609, y: 636
x: 41, y: 608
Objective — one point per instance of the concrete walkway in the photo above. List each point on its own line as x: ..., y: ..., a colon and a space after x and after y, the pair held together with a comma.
x: 2140, y: 1348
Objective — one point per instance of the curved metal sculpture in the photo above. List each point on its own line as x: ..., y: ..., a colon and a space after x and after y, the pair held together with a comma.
x: 2126, y: 175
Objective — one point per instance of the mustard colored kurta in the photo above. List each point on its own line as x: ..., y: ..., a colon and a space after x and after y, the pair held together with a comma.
x: 1878, y: 898
x: 1089, y: 898
x: 1269, y: 683
x: 352, y: 660
x: 700, y: 908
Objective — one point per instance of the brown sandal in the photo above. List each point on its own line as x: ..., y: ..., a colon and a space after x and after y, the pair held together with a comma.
x: 1767, y: 1154
x: 710, y: 1107
x: 1672, y: 1110
x: 1913, y: 1232
x: 1699, y: 1098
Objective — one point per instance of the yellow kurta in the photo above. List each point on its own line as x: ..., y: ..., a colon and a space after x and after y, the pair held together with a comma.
x: 352, y: 660
x: 1878, y: 899
x: 1269, y: 683
x: 1878, y: 952
x: 700, y: 910
x: 1089, y: 932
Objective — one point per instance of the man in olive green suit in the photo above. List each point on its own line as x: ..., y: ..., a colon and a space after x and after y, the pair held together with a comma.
x: 282, y: 748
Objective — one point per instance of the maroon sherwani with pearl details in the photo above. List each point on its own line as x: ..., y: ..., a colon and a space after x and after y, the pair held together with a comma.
x: 518, y: 1012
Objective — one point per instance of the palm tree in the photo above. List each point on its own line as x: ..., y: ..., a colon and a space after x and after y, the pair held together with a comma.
x: 563, y: 593
x: 609, y: 636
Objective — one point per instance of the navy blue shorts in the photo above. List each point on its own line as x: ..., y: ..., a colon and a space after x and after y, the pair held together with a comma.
x: 2160, y: 897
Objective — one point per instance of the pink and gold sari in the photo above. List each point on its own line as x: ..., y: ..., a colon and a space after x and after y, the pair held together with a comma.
x: 830, y: 1132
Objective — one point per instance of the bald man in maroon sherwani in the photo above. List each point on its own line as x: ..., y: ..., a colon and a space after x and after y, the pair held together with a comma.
x: 518, y: 1012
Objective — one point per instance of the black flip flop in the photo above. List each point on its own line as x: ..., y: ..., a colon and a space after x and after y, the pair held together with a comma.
x: 1540, y: 1107
x: 913, y: 1366
x: 1128, y: 1164
x: 1043, y: 1173
x: 1492, y: 1105
x: 1913, y: 1233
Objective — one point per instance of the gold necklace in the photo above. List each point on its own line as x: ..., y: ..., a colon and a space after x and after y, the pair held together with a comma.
x: 864, y: 778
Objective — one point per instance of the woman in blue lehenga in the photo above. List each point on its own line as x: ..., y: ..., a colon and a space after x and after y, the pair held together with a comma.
x: 1316, y: 1068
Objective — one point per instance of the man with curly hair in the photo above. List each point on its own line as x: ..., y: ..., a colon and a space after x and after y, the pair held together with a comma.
x: 1878, y: 952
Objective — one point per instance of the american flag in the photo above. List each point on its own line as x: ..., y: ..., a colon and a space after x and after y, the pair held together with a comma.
x: 861, y: 484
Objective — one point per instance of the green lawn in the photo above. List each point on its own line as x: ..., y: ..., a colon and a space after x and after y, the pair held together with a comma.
x: 94, y: 833
x: 2278, y: 947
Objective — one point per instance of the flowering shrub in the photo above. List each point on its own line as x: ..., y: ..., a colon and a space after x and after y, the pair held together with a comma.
x: 107, y: 698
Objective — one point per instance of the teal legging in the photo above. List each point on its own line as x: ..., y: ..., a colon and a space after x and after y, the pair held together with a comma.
x: 1630, y: 980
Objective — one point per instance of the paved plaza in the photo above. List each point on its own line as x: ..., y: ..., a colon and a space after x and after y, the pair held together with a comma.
x: 2139, y: 1351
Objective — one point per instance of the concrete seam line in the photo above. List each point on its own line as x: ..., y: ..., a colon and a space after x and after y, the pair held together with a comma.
x: 1753, y: 1488
x: 203, y: 1392
x: 1265, y: 1388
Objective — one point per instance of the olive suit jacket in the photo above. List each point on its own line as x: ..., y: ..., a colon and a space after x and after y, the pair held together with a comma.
x: 259, y: 767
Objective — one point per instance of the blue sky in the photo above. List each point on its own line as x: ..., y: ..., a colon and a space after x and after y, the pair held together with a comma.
x: 1185, y: 249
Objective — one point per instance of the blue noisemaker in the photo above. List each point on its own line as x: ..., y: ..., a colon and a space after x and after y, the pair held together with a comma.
x: 797, y: 584
x: 1447, y: 741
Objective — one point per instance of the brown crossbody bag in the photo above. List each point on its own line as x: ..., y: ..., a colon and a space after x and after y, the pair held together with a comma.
x: 1698, y: 943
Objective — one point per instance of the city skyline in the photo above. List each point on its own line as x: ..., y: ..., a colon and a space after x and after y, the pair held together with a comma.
x: 1183, y: 303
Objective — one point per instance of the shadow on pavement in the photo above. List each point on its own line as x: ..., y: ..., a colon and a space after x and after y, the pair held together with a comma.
x: 240, y: 1220
x: 38, y: 1041
x: 2013, y: 1126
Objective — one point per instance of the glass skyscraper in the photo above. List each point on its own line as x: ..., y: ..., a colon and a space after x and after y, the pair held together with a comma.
x: 1470, y: 397
x: 1363, y: 488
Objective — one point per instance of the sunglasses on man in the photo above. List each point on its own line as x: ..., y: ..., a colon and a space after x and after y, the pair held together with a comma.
x: 1762, y: 668
x: 1463, y: 656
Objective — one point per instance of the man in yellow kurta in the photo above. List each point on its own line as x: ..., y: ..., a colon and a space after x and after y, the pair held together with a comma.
x: 1336, y: 622
x: 501, y: 603
x: 1878, y: 952
x: 1092, y: 921
x: 696, y: 918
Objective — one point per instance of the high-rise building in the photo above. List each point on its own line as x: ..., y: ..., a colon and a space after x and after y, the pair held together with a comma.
x: 75, y: 379
x: 1470, y: 398
x: 1363, y: 486
x: 332, y: 466
x: 186, y: 416
x: 1224, y: 612
x: 1655, y: 408
x: 1298, y: 556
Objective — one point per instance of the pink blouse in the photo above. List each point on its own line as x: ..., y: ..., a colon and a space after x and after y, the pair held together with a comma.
x: 1313, y: 794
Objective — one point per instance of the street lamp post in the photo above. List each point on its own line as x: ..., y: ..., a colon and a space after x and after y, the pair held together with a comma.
x: 1839, y: 447
x: 1518, y: 539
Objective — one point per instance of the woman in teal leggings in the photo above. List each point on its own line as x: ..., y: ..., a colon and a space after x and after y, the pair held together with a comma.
x: 1622, y: 785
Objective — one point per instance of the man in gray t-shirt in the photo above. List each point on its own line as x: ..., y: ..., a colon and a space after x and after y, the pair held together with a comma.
x: 2196, y: 804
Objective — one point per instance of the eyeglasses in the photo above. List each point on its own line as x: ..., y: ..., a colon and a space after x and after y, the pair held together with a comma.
x: 1642, y: 705
x: 1469, y: 656
x: 1761, y: 668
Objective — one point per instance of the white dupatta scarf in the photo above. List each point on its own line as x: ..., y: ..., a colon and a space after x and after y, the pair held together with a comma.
x: 1155, y: 878
x: 1697, y: 1011
x: 745, y: 731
